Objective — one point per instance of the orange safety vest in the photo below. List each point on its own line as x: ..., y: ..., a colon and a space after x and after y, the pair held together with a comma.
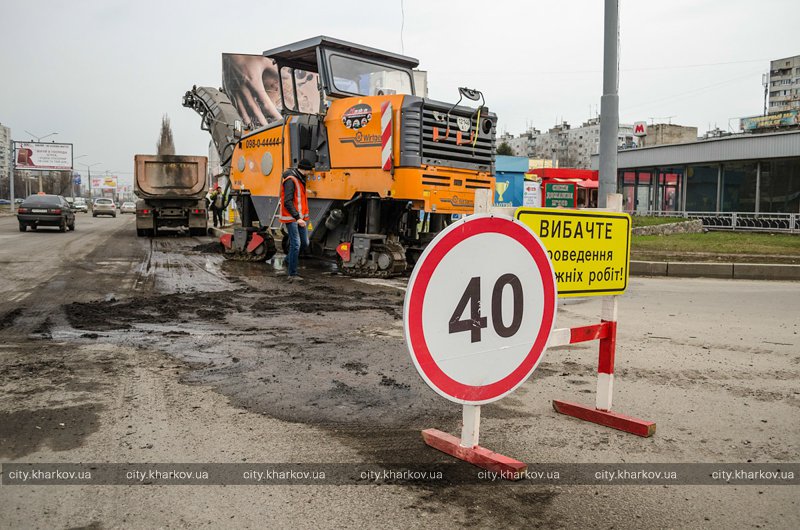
x: 300, y: 201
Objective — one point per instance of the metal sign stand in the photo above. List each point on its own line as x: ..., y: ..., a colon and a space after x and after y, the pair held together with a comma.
x: 601, y: 413
x: 471, y: 378
x: 467, y: 447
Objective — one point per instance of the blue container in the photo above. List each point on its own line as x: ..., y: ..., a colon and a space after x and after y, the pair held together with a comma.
x: 510, y: 177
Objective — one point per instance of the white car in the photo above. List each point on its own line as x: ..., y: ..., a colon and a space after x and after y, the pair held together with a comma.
x: 127, y: 207
x: 80, y: 205
x: 104, y: 207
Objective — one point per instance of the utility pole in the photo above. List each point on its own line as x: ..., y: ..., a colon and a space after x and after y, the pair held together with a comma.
x: 12, y: 173
x: 609, y: 104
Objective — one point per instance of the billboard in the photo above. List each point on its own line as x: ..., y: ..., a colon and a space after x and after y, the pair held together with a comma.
x: 39, y: 156
x: 779, y: 119
x: 106, y: 182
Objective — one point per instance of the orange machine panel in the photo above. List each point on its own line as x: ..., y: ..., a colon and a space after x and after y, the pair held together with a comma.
x: 258, y: 159
x: 354, y: 130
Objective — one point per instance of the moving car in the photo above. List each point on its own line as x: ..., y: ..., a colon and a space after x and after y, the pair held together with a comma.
x: 128, y: 207
x: 45, y: 210
x: 80, y: 205
x: 104, y: 207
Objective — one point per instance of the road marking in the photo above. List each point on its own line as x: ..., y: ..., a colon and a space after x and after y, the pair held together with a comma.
x: 399, y: 284
x: 19, y: 297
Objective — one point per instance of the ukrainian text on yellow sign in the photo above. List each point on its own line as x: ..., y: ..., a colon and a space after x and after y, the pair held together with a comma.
x: 590, y: 250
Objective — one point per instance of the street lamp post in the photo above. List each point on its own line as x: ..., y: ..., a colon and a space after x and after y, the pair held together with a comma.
x: 39, y: 138
x: 89, y: 181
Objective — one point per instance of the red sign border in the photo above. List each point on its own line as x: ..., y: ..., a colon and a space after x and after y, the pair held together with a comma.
x: 418, y: 286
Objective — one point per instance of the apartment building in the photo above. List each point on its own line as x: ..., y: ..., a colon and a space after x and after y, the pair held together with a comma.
x: 784, y: 84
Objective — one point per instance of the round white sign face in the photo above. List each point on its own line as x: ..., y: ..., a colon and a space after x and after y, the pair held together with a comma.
x: 479, y: 308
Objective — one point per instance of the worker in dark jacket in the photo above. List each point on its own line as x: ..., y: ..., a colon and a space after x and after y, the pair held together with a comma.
x: 217, y: 205
x: 294, y: 213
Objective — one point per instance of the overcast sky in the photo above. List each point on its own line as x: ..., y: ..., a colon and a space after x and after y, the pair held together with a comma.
x: 102, y: 73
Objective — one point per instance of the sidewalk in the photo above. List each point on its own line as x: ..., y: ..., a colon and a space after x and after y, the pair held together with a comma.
x: 682, y: 269
x: 735, y: 271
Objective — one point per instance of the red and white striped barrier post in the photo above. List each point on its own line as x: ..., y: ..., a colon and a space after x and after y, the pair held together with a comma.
x: 605, y: 363
x: 606, y: 333
x: 386, y: 135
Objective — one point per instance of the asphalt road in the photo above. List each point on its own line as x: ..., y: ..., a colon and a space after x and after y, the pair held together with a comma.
x: 115, y: 348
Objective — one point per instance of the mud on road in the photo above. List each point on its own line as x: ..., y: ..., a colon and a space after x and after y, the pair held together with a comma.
x: 326, y: 351
x: 239, y: 361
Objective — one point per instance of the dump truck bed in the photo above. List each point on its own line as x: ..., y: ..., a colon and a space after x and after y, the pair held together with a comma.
x: 170, y: 176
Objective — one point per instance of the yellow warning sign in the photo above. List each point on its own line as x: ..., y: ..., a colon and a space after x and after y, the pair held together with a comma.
x: 590, y: 250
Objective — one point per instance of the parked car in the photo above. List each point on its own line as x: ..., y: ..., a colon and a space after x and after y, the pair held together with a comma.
x: 128, y: 207
x: 45, y: 210
x: 104, y: 207
x: 80, y: 205
x: 4, y: 201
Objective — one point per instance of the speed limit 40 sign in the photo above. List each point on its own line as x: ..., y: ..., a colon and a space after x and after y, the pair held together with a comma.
x: 479, y: 308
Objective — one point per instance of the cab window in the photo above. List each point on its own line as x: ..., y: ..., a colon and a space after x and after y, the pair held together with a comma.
x: 364, y: 78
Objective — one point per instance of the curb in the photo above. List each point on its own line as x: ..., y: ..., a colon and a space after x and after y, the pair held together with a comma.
x: 729, y: 271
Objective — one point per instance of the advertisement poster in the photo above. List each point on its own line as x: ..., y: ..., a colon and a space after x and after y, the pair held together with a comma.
x: 251, y: 82
x: 532, y: 194
x: 42, y: 156
x: 106, y: 182
x: 779, y: 119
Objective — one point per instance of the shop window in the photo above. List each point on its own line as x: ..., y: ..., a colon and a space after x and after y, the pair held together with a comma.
x: 701, y: 189
x: 780, y: 186
x: 739, y: 187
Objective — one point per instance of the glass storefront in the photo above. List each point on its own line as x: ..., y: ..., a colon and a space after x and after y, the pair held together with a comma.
x: 780, y: 186
x: 701, y: 188
x: 627, y: 183
x: 636, y: 186
x: 668, y: 192
x: 727, y: 187
x: 739, y: 187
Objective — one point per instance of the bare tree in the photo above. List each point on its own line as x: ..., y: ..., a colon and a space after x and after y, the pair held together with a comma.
x: 165, y: 145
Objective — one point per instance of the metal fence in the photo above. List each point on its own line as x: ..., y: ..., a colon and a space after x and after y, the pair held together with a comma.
x: 761, y: 222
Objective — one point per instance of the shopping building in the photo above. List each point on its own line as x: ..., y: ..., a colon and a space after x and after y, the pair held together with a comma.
x: 751, y: 173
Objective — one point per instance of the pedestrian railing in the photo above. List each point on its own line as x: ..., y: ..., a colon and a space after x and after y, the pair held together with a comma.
x: 763, y: 222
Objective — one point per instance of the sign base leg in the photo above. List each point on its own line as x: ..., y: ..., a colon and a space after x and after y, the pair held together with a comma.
x: 607, y: 418
x: 508, y: 468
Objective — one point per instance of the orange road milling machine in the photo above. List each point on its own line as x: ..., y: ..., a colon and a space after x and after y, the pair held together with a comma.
x: 391, y: 167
